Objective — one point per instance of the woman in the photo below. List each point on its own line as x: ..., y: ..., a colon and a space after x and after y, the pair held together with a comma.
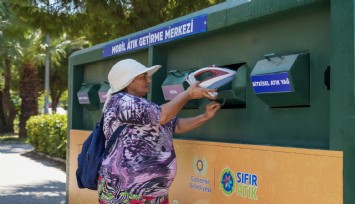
x: 141, y: 165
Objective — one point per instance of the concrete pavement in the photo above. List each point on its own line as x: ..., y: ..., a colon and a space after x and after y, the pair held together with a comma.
x: 29, y: 179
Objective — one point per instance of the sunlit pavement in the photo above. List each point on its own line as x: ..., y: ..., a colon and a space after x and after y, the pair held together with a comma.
x: 24, y: 180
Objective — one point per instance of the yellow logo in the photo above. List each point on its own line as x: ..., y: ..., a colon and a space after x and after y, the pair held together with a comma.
x: 200, y: 166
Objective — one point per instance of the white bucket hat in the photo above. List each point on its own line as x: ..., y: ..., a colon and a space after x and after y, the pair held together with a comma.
x: 123, y: 72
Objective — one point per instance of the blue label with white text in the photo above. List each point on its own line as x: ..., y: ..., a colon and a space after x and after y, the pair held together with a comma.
x: 168, y: 33
x: 271, y: 83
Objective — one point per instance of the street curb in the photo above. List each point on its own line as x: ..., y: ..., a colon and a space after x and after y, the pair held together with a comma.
x: 12, y: 142
x: 36, y: 152
x: 52, y: 158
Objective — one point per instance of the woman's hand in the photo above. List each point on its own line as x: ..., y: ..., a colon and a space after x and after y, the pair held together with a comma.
x: 196, y: 92
x: 170, y: 109
x: 211, y: 110
x: 187, y: 124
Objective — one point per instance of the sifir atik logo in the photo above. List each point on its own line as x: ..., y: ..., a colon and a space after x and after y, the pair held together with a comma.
x: 247, y: 185
x: 244, y: 184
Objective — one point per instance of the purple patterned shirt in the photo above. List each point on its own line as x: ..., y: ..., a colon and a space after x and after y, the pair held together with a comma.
x: 142, y: 161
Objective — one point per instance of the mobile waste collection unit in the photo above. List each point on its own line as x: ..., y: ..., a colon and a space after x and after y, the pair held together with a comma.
x: 285, y: 132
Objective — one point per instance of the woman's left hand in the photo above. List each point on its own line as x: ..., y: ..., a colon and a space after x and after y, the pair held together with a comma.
x: 187, y: 124
x: 211, y: 109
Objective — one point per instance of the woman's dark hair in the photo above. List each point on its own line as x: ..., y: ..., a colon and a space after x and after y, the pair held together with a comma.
x: 123, y: 90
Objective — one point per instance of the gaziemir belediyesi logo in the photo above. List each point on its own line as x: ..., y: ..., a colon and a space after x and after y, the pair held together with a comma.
x: 200, y: 168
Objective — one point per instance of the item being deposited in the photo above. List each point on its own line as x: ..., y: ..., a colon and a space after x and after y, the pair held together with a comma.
x: 215, y: 77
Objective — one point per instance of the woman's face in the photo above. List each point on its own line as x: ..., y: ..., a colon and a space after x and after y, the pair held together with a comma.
x: 140, y: 85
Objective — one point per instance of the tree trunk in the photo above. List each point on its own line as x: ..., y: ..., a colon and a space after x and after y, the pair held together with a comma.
x: 56, y: 93
x: 55, y: 102
x: 29, y: 93
x: 7, y: 109
x: 57, y: 88
x: 2, y: 115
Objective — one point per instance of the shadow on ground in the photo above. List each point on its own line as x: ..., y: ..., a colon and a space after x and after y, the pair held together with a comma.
x: 44, y: 160
x: 9, y: 148
x: 20, y: 184
x: 41, y: 193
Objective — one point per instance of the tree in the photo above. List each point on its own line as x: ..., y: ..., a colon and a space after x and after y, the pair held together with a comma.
x: 98, y: 20
x: 64, y: 46
x: 29, y: 83
x: 29, y: 93
x: 21, y: 55
x: 60, y: 49
x: 50, y: 17
x: 9, y: 51
x: 101, y: 21
x: 54, y: 19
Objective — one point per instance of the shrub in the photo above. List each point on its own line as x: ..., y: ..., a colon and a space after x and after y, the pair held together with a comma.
x: 48, y: 134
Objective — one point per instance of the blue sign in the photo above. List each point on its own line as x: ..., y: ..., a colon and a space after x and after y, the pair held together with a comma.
x: 271, y: 83
x: 161, y: 35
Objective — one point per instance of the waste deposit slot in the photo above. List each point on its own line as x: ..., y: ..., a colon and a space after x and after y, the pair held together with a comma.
x: 282, y: 81
x: 176, y: 83
x: 87, y: 96
x: 103, y: 91
x: 232, y: 94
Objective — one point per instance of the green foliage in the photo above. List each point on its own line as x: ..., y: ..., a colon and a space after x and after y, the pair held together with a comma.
x: 51, y: 17
x: 12, y: 55
x: 25, y: 23
x: 101, y: 21
x: 60, y: 50
x: 64, y: 100
x: 47, y: 134
x: 107, y: 20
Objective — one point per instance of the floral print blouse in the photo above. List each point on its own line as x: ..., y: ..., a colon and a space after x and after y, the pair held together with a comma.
x: 142, y: 161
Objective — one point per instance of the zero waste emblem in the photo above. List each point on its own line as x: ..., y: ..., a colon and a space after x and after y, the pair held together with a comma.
x: 227, y: 182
